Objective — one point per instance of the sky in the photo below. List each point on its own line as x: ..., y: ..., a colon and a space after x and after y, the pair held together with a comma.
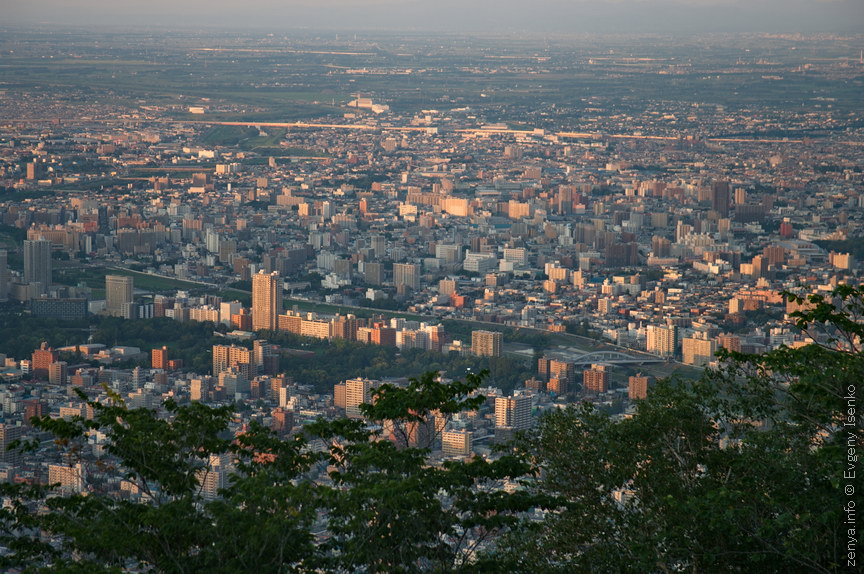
x: 528, y: 16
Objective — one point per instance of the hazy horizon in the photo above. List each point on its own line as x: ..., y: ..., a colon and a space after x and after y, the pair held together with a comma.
x: 469, y: 16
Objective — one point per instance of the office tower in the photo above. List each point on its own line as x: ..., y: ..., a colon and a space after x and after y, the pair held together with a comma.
x: 662, y: 340
x: 407, y: 274
x: 159, y: 358
x: 720, y: 198
x: 118, y: 295
x: 357, y: 392
x: 596, y: 379
x: 37, y: 263
x: 486, y: 343
x: 638, y: 385
x: 4, y: 275
x: 513, y: 412
x: 266, y: 301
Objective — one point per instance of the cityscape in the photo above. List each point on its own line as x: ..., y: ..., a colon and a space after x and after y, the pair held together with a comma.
x: 292, y: 230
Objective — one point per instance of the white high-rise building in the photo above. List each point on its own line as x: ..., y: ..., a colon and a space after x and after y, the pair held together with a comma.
x: 513, y: 412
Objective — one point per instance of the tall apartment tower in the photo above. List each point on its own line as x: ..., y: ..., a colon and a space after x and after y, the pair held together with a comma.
x: 8, y: 434
x: 513, y: 412
x: 357, y: 392
x: 486, y: 343
x: 41, y: 360
x: 4, y: 276
x: 720, y: 198
x: 266, y: 301
x: 407, y: 274
x: 595, y: 379
x: 118, y: 295
x: 662, y: 340
x: 638, y: 385
x: 227, y: 356
x: 447, y: 287
x: 37, y: 263
x: 159, y: 358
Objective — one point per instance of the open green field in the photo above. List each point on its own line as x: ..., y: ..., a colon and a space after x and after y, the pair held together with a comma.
x: 94, y: 277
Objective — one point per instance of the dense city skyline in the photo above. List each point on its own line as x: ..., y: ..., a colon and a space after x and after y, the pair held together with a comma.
x: 398, y: 301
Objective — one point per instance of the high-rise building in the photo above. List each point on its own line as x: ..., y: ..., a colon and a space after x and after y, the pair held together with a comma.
x: 638, y: 385
x: 373, y: 273
x: 729, y: 342
x: 596, y: 379
x: 226, y: 310
x: 215, y: 476
x: 720, y: 198
x: 698, y: 351
x: 198, y: 389
x: 558, y: 386
x: 266, y: 301
x: 447, y: 287
x: 549, y: 368
x: 118, y: 295
x: 227, y: 356
x: 32, y: 408
x: 486, y: 343
x: 159, y: 358
x: 662, y: 340
x: 456, y: 442
x: 8, y: 434
x: 37, y: 263
x: 58, y: 373
x: 339, y: 395
x: 407, y: 274
x: 357, y: 392
x: 266, y: 357
x: 71, y: 478
x: 513, y: 412
x: 42, y: 359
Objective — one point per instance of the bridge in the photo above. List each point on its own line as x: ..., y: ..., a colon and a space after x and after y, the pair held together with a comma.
x: 612, y: 358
